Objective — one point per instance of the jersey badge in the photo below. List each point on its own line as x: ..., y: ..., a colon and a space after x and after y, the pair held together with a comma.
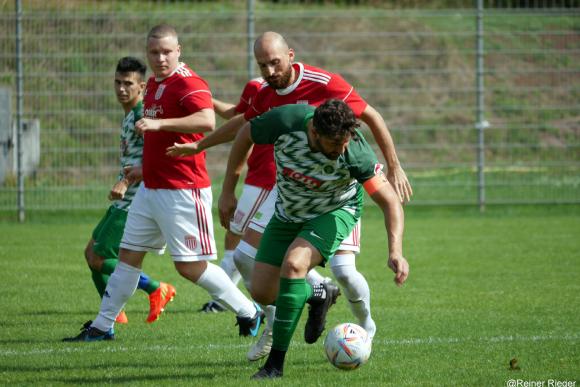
x: 159, y: 92
x: 190, y: 242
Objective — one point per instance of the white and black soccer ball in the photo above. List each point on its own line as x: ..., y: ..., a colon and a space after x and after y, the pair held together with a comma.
x: 347, y: 346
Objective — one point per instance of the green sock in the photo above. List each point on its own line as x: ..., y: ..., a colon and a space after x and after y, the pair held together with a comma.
x: 291, y: 299
x: 100, y: 280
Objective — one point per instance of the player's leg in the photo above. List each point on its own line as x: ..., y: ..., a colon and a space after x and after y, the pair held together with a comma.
x: 250, y: 201
x: 185, y: 219
x: 304, y: 252
x: 106, y: 253
x: 141, y: 235
x: 352, y: 282
x: 244, y: 258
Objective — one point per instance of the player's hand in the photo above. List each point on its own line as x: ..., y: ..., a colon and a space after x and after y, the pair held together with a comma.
x: 400, y: 183
x: 133, y: 173
x: 118, y: 190
x: 226, y: 205
x: 145, y: 124
x: 183, y: 149
x: 400, y: 267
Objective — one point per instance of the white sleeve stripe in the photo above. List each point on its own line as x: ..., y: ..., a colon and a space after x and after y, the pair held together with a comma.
x: 313, y: 79
x: 193, y: 92
x: 316, y: 74
x: 349, y: 93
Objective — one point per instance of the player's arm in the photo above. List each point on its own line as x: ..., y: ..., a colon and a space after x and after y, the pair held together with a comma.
x: 238, y: 155
x: 118, y: 190
x: 382, y: 136
x: 383, y: 194
x: 133, y: 173
x: 223, y: 109
x: 198, y: 122
x: 225, y: 133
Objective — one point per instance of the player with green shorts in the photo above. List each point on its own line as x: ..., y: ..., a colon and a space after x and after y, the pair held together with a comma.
x: 322, y: 164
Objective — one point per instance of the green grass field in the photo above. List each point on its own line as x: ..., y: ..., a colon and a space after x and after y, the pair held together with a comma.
x: 483, y: 289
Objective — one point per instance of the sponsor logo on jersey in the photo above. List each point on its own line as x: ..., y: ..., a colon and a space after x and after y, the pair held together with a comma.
x: 153, y: 111
x: 308, y: 181
x: 190, y: 242
x: 302, y: 102
x: 159, y: 92
x: 378, y: 168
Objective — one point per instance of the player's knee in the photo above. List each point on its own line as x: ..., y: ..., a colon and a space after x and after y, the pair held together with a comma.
x: 244, y: 260
x: 294, y: 267
x: 340, y: 276
x: 93, y: 260
x: 343, y: 267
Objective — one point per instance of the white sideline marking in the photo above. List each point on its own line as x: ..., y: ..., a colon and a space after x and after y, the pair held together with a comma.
x: 84, y: 347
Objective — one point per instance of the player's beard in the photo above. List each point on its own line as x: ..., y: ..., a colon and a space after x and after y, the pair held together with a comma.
x: 319, y: 148
x: 283, y: 81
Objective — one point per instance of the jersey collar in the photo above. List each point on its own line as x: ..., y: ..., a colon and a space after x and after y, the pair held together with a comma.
x: 293, y: 86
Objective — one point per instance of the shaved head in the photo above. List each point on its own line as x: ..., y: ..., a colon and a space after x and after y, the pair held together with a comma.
x: 274, y: 58
x: 270, y: 41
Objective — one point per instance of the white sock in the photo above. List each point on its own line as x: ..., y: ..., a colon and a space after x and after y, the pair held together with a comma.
x: 356, y: 289
x: 245, y: 263
x: 245, y: 259
x: 121, y: 286
x: 219, y: 286
x: 314, y: 278
x: 229, y: 267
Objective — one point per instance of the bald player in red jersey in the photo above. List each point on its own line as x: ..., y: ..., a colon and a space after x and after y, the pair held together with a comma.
x: 292, y: 83
x: 173, y: 205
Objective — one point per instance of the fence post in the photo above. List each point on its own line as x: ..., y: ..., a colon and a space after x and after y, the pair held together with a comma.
x: 19, y: 111
x: 480, y: 123
x: 251, y: 37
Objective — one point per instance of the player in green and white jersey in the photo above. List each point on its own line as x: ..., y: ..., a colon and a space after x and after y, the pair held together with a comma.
x: 102, y: 251
x: 322, y: 163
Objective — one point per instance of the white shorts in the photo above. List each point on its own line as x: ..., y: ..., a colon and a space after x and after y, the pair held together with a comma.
x: 179, y: 217
x: 251, y: 200
x: 264, y: 214
x: 261, y: 218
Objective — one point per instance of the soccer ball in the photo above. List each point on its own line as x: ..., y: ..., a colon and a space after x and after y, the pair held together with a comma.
x: 347, y: 346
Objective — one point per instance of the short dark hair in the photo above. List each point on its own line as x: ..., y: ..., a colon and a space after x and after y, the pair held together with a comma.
x: 334, y: 118
x: 131, y: 64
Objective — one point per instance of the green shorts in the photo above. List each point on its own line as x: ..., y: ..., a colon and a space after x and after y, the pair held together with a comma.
x: 108, y: 233
x: 325, y: 233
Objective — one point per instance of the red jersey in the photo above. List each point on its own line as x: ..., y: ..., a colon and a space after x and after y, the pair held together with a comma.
x: 248, y: 94
x: 180, y: 94
x: 313, y: 86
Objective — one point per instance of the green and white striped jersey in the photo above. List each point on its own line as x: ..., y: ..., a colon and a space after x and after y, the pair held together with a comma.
x: 131, y: 152
x: 309, y: 184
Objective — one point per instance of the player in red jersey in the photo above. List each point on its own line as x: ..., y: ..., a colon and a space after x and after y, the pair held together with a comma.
x: 173, y: 205
x: 291, y: 83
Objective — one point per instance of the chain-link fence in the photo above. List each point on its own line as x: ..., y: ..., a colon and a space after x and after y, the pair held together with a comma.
x: 416, y: 66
